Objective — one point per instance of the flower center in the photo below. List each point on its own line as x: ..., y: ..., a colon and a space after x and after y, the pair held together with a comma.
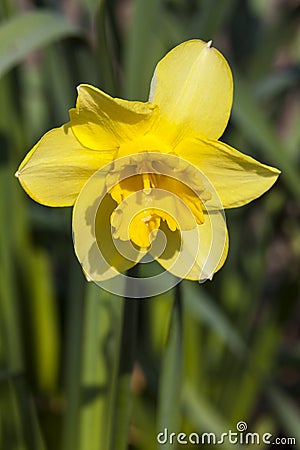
x: 148, y: 192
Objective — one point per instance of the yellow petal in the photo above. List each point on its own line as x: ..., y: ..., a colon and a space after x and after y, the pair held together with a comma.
x: 185, y: 193
x: 237, y: 178
x: 196, y: 254
x: 57, y: 167
x: 102, y: 257
x: 102, y: 122
x: 192, y: 85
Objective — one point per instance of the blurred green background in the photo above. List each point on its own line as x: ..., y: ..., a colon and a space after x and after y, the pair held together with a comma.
x: 83, y: 370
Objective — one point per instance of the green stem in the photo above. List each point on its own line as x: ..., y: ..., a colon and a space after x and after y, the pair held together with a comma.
x: 122, y: 401
x: 171, y: 373
x: 70, y: 438
x: 100, y: 335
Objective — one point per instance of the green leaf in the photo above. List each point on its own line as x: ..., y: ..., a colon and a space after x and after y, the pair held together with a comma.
x: 255, y: 126
x: 19, y: 427
x: 276, y: 83
x: 140, y: 49
x: 254, y: 375
x: 205, y: 310
x: 44, y: 332
x: 28, y: 32
x: 205, y: 417
x: 209, y: 19
x: 203, y: 414
x: 11, y: 356
x: 287, y: 411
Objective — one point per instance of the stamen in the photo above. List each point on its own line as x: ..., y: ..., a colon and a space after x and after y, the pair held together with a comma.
x: 146, y: 183
x: 146, y: 219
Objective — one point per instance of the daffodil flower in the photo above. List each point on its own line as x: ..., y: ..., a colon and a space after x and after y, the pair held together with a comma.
x: 135, y: 170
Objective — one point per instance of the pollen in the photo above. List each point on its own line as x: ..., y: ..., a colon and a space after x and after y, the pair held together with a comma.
x: 147, y: 219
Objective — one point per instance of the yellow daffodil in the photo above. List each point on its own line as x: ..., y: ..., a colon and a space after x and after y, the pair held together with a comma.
x: 150, y: 177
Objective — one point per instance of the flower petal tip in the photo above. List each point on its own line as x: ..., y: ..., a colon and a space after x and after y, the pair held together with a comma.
x: 209, y: 44
x: 17, y: 174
